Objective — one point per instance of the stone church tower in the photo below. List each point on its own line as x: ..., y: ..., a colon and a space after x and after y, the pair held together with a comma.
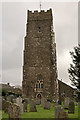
x: 39, y: 67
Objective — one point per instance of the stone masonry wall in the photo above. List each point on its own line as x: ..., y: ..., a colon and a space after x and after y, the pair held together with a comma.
x: 40, y: 54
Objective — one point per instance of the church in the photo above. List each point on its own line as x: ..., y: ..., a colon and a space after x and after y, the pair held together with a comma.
x: 39, y: 58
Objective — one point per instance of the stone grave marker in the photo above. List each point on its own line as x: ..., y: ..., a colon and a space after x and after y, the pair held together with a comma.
x: 14, y: 100
x: 14, y: 112
x: 38, y: 101
x: 25, y: 103
x: 57, y: 110
x: 26, y: 100
x: 10, y: 98
x: 25, y: 106
x: 6, y: 105
x: 66, y: 102
x: 71, y: 108
x: 63, y: 115
x: 19, y: 103
x: 43, y: 100
x: 32, y: 106
x: 3, y: 103
x: 47, y: 105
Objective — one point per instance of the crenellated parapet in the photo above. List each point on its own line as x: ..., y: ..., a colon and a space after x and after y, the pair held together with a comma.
x: 42, y: 15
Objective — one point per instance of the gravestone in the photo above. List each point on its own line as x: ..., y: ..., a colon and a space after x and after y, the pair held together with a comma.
x: 26, y: 100
x: 43, y: 101
x: 66, y: 102
x: 38, y: 101
x: 3, y: 103
x: 14, y: 100
x: 71, y: 108
x: 10, y: 98
x: 57, y: 110
x: 14, y: 112
x: 6, y: 105
x: 32, y: 106
x: 25, y: 106
x: 47, y: 105
x: 25, y: 103
x: 19, y: 103
x: 63, y: 114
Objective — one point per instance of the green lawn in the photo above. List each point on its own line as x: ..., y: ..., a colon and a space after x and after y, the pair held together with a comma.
x: 41, y: 113
x: 75, y: 115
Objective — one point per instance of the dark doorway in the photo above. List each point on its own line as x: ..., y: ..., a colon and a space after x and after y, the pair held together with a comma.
x: 39, y: 96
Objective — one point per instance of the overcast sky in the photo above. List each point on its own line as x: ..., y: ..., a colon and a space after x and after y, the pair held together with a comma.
x: 14, y: 19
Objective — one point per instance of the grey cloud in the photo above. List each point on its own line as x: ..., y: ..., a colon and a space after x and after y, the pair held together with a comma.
x: 13, y: 76
x: 13, y: 59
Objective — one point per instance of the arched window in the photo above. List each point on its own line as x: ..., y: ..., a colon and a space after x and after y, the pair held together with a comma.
x: 39, y: 85
x: 36, y: 85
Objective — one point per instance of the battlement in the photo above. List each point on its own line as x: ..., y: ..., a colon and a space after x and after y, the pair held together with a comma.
x: 42, y: 15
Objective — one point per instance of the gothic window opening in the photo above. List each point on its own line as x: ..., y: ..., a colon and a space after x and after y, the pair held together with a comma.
x: 39, y: 85
x: 36, y: 86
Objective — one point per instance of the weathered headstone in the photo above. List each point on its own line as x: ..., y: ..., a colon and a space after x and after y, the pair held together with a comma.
x: 6, y: 105
x: 26, y: 100
x: 66, y: 102
x: 32, y: 106
x: 47, y: 105
x: 57, y: 110
x: 25, y: 103
x: 14, y: 100
x: 38, y: 101
x: 9, y: 98
x: 19, y: 103
x: 71, y: 108
x: 14, y: 112
x: 63, y: 114
x: 3, y: 103
x: 25, y: 106
x: 43, y: 101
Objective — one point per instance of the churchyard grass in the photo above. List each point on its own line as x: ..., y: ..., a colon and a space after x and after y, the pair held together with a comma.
x: 41, y: 113
x: 4, y: 115
x: 75, y: 115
